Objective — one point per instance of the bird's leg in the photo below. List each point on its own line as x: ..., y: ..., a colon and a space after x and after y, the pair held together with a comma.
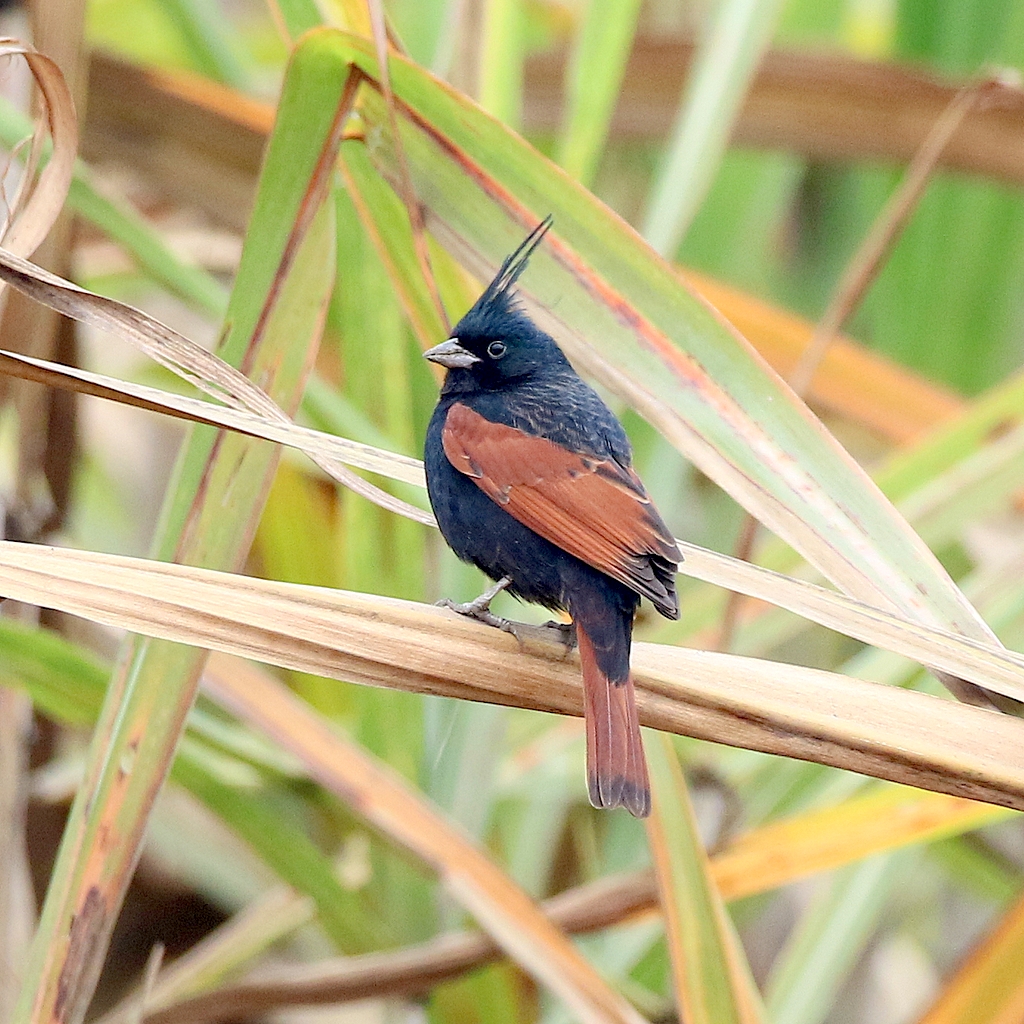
x: 481, y: 607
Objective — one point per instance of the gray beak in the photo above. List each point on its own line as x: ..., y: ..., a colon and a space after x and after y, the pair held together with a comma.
x: 451, y: 354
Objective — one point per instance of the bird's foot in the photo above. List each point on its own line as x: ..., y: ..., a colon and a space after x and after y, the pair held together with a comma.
x: 566, y: 633
x: 480, y: 608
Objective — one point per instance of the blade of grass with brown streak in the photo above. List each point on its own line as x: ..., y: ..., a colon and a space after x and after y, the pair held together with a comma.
x: 621, y: 314
x: 900, y: 735
x: 273, y: 327
x: 897, y: 405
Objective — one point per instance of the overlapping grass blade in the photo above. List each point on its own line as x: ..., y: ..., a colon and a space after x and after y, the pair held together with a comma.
x: 622, y: 315
x: 712, y: 979
x: 275, y: 316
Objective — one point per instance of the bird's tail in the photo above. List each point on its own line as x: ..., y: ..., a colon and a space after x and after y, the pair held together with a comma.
x: 616, y: 766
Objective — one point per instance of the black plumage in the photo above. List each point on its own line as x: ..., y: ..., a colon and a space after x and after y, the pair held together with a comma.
x: 530, y: 478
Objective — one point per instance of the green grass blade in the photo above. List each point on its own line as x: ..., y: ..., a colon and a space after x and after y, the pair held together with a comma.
x: 624, y: 316
x: 272, y: 329
x: 594, y: 76
x: 819, y: 956
x: 63, y: 681
x: 502, y: 49
x: 724, y: 66
x: 712, y: 979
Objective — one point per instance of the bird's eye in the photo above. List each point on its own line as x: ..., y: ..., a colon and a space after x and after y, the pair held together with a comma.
x: 496, y: 349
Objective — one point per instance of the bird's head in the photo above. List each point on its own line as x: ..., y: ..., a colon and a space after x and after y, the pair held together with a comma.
x: 496, y: 342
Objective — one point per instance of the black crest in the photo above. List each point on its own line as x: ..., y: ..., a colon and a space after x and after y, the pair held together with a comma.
x: 514, y: 265
x: 500, y: 293
x: 496, y: 313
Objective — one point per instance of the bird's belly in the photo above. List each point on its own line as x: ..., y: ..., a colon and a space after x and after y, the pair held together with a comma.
x: 478, y: 530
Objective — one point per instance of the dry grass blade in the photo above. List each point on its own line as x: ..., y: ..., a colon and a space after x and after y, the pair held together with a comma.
x: 377, y: 794
x: 182, y: 356
x: 936, y: 648
x: 45, y: 199
x: 756, y: 862
x: 933, y: 647
x: 893, y: 734
x: 315, y: 443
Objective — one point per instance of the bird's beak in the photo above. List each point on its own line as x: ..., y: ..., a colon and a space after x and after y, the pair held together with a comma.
x: 451, y: 354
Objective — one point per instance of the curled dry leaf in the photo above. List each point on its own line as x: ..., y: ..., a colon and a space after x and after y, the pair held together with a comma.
x: 181, y: 356
x: 44, y: 198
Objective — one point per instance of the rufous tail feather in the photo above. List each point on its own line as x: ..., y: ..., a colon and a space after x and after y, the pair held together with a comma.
x: 616, y: 766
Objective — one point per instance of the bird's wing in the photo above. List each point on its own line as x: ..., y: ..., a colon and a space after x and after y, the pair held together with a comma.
x: 595, y: 509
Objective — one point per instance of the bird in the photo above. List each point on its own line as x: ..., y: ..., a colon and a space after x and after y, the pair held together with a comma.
x: 530, y: 478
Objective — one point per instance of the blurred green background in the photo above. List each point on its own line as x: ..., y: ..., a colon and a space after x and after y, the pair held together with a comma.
x: 869, y: 942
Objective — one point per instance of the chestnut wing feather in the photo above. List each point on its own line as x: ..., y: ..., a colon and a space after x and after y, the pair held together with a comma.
x: 592, y: 508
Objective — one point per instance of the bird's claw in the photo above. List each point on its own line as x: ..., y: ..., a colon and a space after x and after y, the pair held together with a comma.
x: 566, y: 633
x: 482, y: 614
x: 480, y: 608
